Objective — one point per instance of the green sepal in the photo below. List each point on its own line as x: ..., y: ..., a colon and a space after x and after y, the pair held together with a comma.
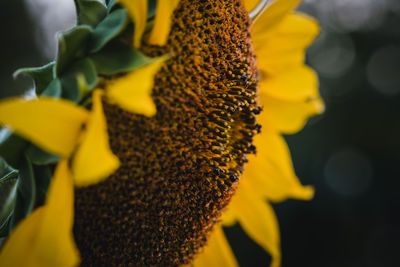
x: 87, y: 69
x: 90, y: 12
x: 8, y: 190
x: 71, y: 45
x: 117, y: 57
x: 110, y: 27
x: 40, y: 157
x: 11, y: 147
x: 70, y: 89
x: 41, y: 76
x: 43, y: 175
x: 53, y: 89
x: 5, y: 227
x: 69, y: 80
x: 111, y: 5
x: 152, y: 4
x: 26, y: 192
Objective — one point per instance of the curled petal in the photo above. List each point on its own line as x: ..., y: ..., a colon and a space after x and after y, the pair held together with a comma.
x: 217, y: 252
x: 273, y: 14
x: 250, y: 4
x: 270, y: 173
x: 162, y: 23
x: 94, y: 160
x: 137, y: 10
x: 133, y: 91
x: 52, y: 124
x: 45, y: 237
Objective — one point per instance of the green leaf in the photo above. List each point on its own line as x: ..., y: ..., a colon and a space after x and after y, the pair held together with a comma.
x: 117, y: 57
x: 53, y: 90
x: 85, y: 68
x: 43, y: 175
x: 41, y: 76
x: 40, y: 157
x: 11, y: 147
x: 111, y: 4
x: 90, y: 12
x: 69, y: 80
x: 8, y: 189
x: 26, y: 192
x: 109, y: 28
x: 71, y: 45
x: 152, y: 8
x: 5, y: 227
x: 70, y: 89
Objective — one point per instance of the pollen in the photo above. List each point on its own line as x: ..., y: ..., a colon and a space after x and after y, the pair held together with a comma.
x: 179, y: 168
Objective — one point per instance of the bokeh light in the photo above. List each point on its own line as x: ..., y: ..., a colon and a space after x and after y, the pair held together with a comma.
x: 383, y: 70
x: 349, y: 15
x: 332, y: 54
x: 348, y: 172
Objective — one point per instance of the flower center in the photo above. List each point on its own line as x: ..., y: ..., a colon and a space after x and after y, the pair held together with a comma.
x: 180, y: 167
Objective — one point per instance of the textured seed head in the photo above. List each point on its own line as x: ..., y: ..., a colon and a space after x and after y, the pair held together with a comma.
x: 180, y: 167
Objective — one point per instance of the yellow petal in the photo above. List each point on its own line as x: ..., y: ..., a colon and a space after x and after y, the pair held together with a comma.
x: 270, y: 173
x: 52, y: 124
x: 162, y: 23
x: 133, y: 91
x: 137, y: 10
x: 229, y: 217
x: 258, y: 220
x: 250, y: 4
x: 21, y: 242
x: 273, y: 14
x: 284, y: 46
x: 94, y: 160
x: 274, y: 66
x: 300, y: 29
x: 287, y: 117
x: 44, y: 238
x: 55, y: 241
x: 299, y: 83
x: 217, y: 252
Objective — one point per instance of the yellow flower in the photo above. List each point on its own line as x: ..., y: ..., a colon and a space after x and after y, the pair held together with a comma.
x: 81, y: 139
x: 179, y: 168
x: 289, y: 95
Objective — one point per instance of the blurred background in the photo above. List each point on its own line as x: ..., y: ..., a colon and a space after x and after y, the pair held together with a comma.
x: 350, y: 153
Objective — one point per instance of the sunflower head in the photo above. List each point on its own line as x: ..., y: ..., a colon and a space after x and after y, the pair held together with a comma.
x: 143, y: 126
x: 180, y: 167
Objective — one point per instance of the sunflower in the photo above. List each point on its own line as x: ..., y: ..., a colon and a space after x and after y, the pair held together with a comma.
x: 153, y: 175
x: 289, y: 95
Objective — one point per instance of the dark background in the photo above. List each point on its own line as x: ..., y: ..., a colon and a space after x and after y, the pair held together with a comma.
x: 350, y: 153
